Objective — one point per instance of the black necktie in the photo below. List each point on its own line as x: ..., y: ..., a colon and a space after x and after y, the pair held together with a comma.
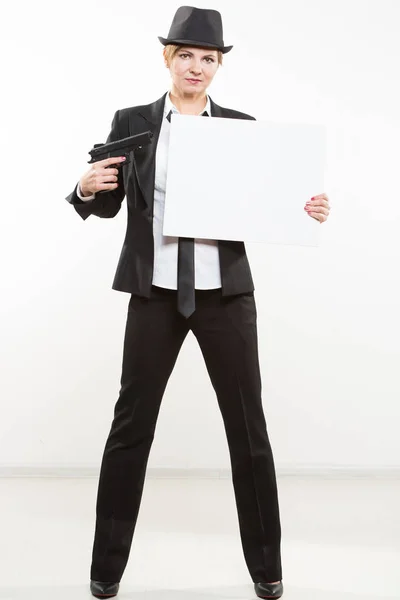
x: 186, y: 293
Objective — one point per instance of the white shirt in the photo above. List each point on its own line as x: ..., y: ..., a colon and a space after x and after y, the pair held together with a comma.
x: 206, y: 256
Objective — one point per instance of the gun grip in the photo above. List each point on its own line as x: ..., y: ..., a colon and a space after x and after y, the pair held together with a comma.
x: 116, y: 166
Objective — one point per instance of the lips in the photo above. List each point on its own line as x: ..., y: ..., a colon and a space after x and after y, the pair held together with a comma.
x: 193, y: 80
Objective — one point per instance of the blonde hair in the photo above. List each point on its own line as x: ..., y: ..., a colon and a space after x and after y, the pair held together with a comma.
x: 172, y: 49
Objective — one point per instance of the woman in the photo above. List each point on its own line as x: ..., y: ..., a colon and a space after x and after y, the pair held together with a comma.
x: 165, y: 304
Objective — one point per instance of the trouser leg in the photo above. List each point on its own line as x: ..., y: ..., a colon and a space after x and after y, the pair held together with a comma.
x: 153, y: 337
x: 227, y: 334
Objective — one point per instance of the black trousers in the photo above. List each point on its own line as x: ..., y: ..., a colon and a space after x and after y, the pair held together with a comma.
x: 227, y: 334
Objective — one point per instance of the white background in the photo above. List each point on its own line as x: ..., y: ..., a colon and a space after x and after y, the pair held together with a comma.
x: 328, y: 317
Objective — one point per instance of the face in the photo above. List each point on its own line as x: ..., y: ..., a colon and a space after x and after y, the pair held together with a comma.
x: 193, y: 69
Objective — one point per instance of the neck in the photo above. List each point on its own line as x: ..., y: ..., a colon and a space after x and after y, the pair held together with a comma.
x: 188, y: 104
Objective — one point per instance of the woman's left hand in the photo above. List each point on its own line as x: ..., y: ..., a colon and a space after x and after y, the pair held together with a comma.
x: 318, y: 207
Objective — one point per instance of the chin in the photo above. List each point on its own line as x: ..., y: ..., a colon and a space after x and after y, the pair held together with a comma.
x: 195, y: 88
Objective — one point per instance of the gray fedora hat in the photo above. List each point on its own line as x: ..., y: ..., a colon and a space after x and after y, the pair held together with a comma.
x: 200, y: 27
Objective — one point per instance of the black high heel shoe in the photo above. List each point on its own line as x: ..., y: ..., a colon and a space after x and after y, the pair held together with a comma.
x: 269, y: 590
x: 102, y: 589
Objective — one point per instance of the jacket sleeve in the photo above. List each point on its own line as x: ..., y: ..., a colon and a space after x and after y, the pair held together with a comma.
x: 106, y: 204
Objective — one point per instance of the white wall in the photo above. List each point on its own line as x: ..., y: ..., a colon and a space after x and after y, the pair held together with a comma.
x: 329, y: 324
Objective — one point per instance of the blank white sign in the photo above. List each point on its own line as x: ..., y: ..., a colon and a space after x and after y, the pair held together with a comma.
x: 236, y: 179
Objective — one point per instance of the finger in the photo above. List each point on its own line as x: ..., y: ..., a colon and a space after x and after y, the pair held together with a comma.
x: 314, y: 203
x: 107, y: 171
x: 323, y: 203
x: 110, y: 161
x: 319, y: 209
x: 106, y: 186
x: 320, y: 197
x: 318, y: 216
x: 105, y: 178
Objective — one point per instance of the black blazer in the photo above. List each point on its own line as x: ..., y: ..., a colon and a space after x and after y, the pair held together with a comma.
x: 136, y: 180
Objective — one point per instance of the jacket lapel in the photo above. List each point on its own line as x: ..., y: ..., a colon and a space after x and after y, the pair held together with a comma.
x: 216, y: 110
x: 144, y: 158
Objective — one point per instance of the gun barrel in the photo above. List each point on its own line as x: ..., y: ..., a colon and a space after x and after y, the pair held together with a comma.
x: 131, y: 142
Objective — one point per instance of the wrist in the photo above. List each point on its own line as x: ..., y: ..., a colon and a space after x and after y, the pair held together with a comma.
x: 85, y: 192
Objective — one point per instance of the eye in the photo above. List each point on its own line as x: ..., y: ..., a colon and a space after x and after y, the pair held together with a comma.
x: 208, y: 58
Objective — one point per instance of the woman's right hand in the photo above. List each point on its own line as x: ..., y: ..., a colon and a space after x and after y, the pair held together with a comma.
x: 100, y: 176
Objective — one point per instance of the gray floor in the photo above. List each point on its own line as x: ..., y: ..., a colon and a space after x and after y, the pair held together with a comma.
x: 341, y: 538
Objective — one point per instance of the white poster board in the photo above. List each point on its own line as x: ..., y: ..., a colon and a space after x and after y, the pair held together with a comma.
x: 236, y: 179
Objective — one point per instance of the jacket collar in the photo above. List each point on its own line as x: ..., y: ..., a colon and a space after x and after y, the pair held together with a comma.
x: 170, y: 106
x: 154, y: 112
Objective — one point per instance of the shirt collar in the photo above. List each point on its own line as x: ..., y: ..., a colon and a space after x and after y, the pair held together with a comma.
x: 170, y: 106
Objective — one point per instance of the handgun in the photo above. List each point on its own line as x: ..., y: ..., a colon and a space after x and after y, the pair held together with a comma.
x: 122, y: 147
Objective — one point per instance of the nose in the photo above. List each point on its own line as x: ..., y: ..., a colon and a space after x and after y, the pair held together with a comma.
x: 195, y: 67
